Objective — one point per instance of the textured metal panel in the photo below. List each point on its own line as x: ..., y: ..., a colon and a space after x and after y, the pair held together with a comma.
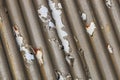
x: 60, y: 40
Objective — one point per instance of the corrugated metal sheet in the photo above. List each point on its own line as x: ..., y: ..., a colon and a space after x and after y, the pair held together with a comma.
x: 59, y: 40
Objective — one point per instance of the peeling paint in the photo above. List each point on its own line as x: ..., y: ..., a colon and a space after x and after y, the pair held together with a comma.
x: 39, y: 55
x: 110, y: 49
x: 56, y: 41
x: 69, y: 59
x: 57, y: 12
x: 108, y: 3
x: 84, y: 16
x: 61, y: 77
x: 91, y: 28
x: 45, y: 17
x: 28, y: 55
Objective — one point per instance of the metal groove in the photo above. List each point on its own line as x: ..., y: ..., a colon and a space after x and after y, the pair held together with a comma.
x: 5, y: 73
x: 108, y: 33
x: 37, y: 39
x: 101, y: 54
x: 23, y: 40
x: 13, y: 56
x: 79, y: 33
x: 59, y: 40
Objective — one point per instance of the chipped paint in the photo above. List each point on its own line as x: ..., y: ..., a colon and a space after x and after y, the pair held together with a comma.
x: 57, y: 12
x: 110, y: 49
x: 57, y: 42
x: 84, y: 16
x: 39, y: 56
x: 28, y: 55
x: 61, y: 77
x: 69, y: 59
x: 45, y: 17
x: 91, y: 28
x: 108, y: 3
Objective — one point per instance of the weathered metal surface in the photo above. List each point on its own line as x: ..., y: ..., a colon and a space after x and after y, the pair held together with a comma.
x: 37, y: 39
x: 68, y: 39
x: 81, y: 38
x: 106, y: 26
x: 101, y: 54
x: 54, y: 45
x: 23, y: 40
x: 12, y: 52
x: 5, y: 73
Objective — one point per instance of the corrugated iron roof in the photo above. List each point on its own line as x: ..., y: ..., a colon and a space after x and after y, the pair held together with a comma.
x: 59, y: 40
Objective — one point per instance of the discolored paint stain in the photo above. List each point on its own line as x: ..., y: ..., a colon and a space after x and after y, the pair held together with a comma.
x: 39, y: 55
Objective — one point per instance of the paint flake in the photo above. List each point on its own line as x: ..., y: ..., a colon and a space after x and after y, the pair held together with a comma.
x: 23, y: 47
x: 110, y: 49
x: 108, y: 3
x: 84, y: 16
x: 39, y: 55
x: 91, y: 28
x: 57, y: 12
x: 45, y: 17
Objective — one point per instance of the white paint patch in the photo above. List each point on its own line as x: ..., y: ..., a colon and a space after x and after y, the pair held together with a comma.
x: 20, y: 41
x: 51, y: 24
x: 28, y: 55
x: 108, y: 3
x: 84, y: 17
x: 19, y: 38
x: 110, y: 49
x: 39, y: 56
x: 45, y: 17
x: 43, y: 11
x: 91, y: 28
x: 56, y: 12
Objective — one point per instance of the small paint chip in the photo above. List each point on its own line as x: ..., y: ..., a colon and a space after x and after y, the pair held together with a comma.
x: 29, y: 56
x: 45, y: 17
x: 43, y: 11
x: 84, y: 16
x: 110, y: 49
x: 61, y: 77
x: 39, y: 56
x: 70, y: 60
x: 51, y: 24
x: 91, y: 28
x: 108, y: 3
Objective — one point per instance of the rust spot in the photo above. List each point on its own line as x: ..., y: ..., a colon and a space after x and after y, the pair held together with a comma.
x: 90, y: 28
